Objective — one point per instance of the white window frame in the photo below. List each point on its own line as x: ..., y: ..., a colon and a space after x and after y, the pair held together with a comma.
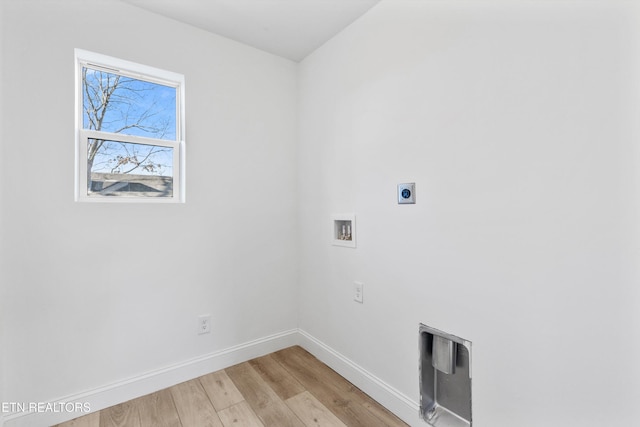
x: 122, y: 67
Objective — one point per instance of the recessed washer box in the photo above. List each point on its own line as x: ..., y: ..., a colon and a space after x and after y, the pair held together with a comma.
x: 407, y: 193
x: 344, y: 230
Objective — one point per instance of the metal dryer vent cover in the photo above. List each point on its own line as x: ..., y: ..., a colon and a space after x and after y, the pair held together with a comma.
x: 445, y: 379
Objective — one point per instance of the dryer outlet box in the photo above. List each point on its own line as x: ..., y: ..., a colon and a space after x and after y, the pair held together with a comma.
x: 407, y: 193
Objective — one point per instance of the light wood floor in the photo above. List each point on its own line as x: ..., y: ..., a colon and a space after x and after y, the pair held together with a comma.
x: 286, y: 388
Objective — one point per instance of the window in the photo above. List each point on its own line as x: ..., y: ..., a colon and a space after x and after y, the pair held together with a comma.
x: 129, y: 131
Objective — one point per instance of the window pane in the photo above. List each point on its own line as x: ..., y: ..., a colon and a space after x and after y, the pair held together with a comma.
x: 120, y: 104
x: 125, y: 169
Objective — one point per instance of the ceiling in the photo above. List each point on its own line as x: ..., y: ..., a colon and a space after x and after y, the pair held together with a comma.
x: 288, y: 28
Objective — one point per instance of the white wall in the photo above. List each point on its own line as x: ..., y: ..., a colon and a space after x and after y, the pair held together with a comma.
x: 98, y: 293
x: 517, y: 121
x: 2, y: 282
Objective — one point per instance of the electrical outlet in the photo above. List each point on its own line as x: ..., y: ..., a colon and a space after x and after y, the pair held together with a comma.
x: 358, y: 289
x: 204, y: 324
x: 407, y: 193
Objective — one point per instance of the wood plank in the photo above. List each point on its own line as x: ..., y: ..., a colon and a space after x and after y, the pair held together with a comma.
x: 158, y: 410
x: 122, y: 415
x: 348, y: 389
x: 344, y: 386
x: 193, y: 405
x: 239, y: 415
x: 271, y: 410
x: 221, y: 390
x: 90, y: 420
x: 312, y: 412
x: 326, y: 374
x: 281, y: 381
x: 337, y: 394
x: 387, y: 417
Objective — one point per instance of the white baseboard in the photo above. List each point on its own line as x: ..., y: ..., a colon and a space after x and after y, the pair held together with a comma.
x: 392, y: 399
x: 159, y: 379
x: 140, y: 385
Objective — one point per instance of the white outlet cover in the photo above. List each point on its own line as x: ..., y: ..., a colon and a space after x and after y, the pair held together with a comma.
x: 204, y: 324
x: 358, y: 290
